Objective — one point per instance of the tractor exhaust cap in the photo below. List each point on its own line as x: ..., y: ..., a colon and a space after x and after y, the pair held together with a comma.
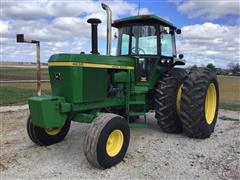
x: 94, y: 23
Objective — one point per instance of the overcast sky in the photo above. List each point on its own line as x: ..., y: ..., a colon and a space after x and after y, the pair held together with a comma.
x: 210, y: 29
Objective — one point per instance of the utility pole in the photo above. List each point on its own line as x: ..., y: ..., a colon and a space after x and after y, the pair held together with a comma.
x: 20, y: 39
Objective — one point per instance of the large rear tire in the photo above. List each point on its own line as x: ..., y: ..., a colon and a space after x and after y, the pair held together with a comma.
x: 45, y: 137
x: 106, y: 141
x: 199, y: 103
x: 167, y: 100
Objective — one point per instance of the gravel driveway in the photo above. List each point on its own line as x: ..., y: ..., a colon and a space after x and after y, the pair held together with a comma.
x: 152, y: 154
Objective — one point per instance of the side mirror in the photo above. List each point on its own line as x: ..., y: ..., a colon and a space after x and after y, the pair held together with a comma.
x: 20, y: 38
x: 178, y: 31
x: 180, y: 56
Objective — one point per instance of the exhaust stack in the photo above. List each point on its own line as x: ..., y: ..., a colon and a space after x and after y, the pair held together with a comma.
x: 94, y: 23
x: 109, y: 28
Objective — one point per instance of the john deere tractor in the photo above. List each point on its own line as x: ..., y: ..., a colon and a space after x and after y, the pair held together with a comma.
x: 112, y: 92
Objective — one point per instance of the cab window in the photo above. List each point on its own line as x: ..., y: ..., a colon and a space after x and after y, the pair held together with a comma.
x: 144, y: 40
x: 167, y: 42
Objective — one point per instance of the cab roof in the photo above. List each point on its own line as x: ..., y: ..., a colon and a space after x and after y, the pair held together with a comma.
x: 141, y: 19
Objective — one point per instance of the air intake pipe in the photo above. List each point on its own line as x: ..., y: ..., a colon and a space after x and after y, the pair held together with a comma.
x: 94, y: 23
x: 109, y: 28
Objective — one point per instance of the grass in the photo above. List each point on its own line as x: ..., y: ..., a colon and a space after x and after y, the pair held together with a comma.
x: 229, y: 87
x: 18, y: 93
x: 13, y: 73
x: 230, y: 106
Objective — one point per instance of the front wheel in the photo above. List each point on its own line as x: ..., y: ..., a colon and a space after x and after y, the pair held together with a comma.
x: 47, y: 136
x: 107, y: 140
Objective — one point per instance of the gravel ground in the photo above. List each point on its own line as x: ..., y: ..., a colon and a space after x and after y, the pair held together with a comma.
x: 152, y: 154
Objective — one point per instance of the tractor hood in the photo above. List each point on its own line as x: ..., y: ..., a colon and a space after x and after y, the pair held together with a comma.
x: 113, y: 62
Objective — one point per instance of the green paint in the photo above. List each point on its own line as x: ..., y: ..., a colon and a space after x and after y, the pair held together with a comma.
x: 83, y: 84
x: 95, y: 59
x: 65, y: 107
x: 86, y: 118
x: 45, y: 111
x: 77, y: 84
x: 120, y: 77
x: 109, y: 102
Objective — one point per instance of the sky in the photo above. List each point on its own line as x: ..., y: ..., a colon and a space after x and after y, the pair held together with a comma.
x: 210, y: 28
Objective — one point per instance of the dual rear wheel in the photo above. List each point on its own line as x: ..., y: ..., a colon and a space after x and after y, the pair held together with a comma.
x: 199, y: 103
x: 167, y: 100
x: 187, y: 102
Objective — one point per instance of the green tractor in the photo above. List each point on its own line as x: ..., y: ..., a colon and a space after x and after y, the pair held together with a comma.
x: 112, y: 92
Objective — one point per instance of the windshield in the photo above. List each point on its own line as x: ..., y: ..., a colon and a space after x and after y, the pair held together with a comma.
x: 143, y: 41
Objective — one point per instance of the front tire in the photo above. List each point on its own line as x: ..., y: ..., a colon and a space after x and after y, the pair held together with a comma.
x: 45, y: 137
x: 199, y: 103
x: 107, y: 140
x: 167, y: 100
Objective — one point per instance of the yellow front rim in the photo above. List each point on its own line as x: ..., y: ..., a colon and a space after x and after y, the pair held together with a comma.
x: 210, y: 103
x: 114, y: 143
x: 52, y: 131
x: 179, y: 94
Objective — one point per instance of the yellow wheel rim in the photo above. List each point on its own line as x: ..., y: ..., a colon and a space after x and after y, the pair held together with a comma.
x: 52, y: 131
x: 210, y: 103
x: 114, y: 143
x: 179, y: 94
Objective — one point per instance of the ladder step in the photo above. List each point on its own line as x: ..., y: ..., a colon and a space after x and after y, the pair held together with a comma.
x: 137, y: 102
x: 137, y: 125
x: 136, y: 113
x: 138, y: 92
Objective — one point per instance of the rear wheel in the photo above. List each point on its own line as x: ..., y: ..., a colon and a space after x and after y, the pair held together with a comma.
x: 47, y: 136
x: 199, y: 103
x: 107, y: 140
x: 167, y: 100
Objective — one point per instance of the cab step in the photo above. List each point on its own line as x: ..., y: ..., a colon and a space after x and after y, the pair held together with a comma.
x: 136, y: 102
x: 136, y: 113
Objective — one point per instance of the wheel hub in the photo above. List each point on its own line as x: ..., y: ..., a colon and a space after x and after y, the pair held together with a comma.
x: 52, y: 131
x: 210, y: 103
x: 179, y: 94
x: 114, y: 143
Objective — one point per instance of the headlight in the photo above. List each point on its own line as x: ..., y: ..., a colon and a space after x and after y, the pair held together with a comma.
x: 169, y: 60
x: 163, y: 60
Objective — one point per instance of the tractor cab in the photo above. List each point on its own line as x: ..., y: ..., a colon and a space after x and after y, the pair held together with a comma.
x: 148, y: 38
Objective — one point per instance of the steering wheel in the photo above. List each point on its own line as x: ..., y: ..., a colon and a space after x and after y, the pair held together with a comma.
x: 138, y: 49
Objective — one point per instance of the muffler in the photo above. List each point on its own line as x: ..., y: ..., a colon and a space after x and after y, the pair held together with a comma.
x: 109, y: 28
